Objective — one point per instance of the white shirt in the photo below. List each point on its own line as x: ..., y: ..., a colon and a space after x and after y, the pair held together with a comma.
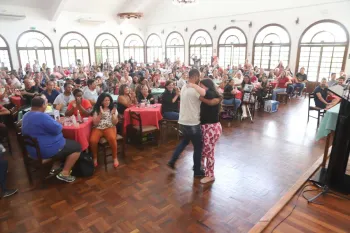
x: 15, y: 83
x: 124, y: 81
x: 238, y: 81
x: 181, y: 83
x: 64, y: 100
x: 189, y: 106
x: 90, y: 95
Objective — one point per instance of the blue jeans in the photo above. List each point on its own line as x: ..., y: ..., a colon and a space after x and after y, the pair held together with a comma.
x: 289, y: 90
x: 235, y: 102
x: 301, y: 87
x: 173, y: 116
x: 190, y: 134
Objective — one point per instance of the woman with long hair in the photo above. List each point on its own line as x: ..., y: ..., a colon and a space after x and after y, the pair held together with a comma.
x: 246, y: 81
x: 230, y: 91
x: 211, y: 127
x: 170, y: 101
x: 126, y: 98
x: 282, y: 85
x: 104, y: 118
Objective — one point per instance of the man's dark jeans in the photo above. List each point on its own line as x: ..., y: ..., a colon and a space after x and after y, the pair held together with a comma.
x: 190, y: 134
x: 3, y: 173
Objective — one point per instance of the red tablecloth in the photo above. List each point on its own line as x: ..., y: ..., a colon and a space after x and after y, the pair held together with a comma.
x: 149, y: 116
x: 17, y: 100
x: 80, y: 134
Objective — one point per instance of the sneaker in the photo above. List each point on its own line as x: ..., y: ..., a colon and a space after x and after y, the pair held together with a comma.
x: 68, y: 178
x: 9, y: 192
x: 207, y: 179
x: 55, y: 171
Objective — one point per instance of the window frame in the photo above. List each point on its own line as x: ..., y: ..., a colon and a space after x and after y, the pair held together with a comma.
x: 143, y: 47
x: 175, y: 46
x: 7, y: 48
x: 239, y: 45
x: 200, y: 46
x: 96, y: 47
x: 322, y: 45
x: 75, y: 48
x: 150, y: 47
x: 35, y: 49
x: 271, y: 45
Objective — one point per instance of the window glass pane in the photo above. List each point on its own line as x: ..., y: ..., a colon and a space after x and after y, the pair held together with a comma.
x: 154, y: 48
x: 325, y: 31
x: 276, y: 34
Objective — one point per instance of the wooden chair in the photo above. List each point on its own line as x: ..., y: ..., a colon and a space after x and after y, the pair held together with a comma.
x: 166, y: 125
x: 282, y: 97
x: 38, y: 164
x: 103, y: 143
x: 320, y: 111
x: 228, y: 110
x: 138, y: 131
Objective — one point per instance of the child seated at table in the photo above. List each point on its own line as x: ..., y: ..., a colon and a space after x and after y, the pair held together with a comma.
x: 79, y: 104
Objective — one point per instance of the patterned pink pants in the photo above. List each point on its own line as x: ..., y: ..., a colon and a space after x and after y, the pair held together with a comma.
x: 211, y: 134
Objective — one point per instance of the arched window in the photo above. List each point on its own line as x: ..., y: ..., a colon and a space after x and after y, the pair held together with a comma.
x: 201, y: 45
x: 154, y: 48
x: 107, y: 47
x: 134, y: 47
x: 74, y: 49
x: 322, y: 49
x: 232, y: 47
x: 175, y: 47
x: 5, y: 59
x: 271, y: 45
x: 35, y: 45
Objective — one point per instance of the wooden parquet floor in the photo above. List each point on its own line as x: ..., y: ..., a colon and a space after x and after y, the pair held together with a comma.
x: 255, y: 165
x: 330, y: 213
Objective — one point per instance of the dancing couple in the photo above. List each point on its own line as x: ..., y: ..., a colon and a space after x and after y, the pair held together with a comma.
x: 199, y: 124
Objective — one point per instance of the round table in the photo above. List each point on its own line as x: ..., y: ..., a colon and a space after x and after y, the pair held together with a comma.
x: 80, y: 133
x: 156, y: 92
x: 149, y: 115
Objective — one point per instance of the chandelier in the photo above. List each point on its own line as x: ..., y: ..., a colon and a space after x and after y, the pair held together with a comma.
x: 184, y: 2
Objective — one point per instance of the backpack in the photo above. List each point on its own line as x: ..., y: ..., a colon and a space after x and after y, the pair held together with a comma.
x: 84, y: 167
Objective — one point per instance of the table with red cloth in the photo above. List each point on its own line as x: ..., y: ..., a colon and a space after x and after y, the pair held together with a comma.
x: 80, y: 133
x: 149, y: 115
x: 17, y: 100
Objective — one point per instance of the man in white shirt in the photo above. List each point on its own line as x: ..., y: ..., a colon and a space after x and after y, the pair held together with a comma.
x: 62, y: 100
x: 90, y: 93
x: 126, y: 79
x: 189, y: 121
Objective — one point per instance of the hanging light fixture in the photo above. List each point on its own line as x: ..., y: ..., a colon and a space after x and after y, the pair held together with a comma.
x: 184, y: 2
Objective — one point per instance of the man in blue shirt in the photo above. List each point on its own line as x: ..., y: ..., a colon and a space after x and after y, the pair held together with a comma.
x: 50, y: 92
x: 37, y: 124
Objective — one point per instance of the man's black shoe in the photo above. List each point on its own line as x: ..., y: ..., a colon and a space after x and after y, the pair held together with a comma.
x: 9, y: 192
x: 200, y: 174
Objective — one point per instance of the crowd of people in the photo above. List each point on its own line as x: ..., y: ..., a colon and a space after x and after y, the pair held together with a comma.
x: 191, y: 96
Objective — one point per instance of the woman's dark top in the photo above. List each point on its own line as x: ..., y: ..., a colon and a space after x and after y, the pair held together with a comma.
x: 140, y: 97
x: 227, y: 92
x: 210, y: 114
x: 121, y: 108
x: 167, y: 102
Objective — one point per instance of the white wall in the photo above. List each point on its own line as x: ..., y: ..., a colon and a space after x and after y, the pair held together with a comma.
x: 174, y: 18
x: 67, y: 21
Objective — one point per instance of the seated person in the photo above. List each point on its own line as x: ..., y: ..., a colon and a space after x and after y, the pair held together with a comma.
x: 29, y: 92
x: 126, y: 98
x: 300, y: 80
x: 332, y: 81
x: 48, y: 132
x: 321, y: 94
x: 230, y: 91
x: 170, y: 101
x: 3, y: 173
x: 263, y: 88
x: 105, y: 118
x: 50, y: 92
x: 37, y: 83
x: 145, y: 95
x: 4, y: 114
x: 62, y: 100
x: 90, y: 92
x: 282, y: 85
x: 341, y: 81
x: 79, y: 104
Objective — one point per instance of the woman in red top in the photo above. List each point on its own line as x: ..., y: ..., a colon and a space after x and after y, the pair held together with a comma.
x: 282, y: 85
x: 79, y: 104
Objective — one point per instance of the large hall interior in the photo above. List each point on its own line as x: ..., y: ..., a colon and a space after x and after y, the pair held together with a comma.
x: 174, y: 116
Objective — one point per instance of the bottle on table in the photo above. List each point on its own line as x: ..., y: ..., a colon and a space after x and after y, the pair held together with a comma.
x: 79, y: 119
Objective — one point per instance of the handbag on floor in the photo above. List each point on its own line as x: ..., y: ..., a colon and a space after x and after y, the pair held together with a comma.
x: 84, y: 167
